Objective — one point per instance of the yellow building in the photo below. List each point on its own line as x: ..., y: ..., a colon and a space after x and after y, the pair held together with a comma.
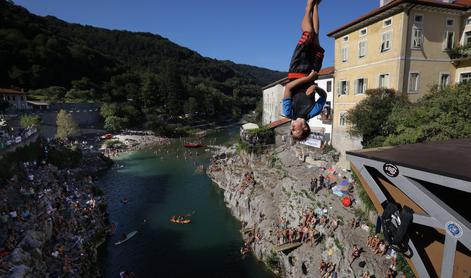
x: 407, y: 45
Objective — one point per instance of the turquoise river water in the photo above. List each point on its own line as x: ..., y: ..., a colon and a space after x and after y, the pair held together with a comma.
x: 159, y: 185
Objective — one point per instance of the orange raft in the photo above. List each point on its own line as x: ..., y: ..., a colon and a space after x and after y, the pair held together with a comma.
x: 176, y: 220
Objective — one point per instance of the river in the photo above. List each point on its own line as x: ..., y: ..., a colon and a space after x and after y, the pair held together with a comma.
x: 157, y: 187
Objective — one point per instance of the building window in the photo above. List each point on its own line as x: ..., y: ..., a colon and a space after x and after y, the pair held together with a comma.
x: 386, y: 41
x: 344, y: 54
x: 465, y: 77
x: 467, y: 38
x: 417, y: 37
x: 468, y: 21
x: 329, y: 86
x: 449, y: 40
x: 450, y: 22
x: 342, y: 89
x: 384, y: 80
x: 345, y: 39
x: 362, y: 45
x: 444, y: 80
x: 419, y: 18
x: 326, y: 114
x: 342, y: 118
x: 360, y: 86
x: 363, y: 32
x: 414, y: 80
x: 387, y: 22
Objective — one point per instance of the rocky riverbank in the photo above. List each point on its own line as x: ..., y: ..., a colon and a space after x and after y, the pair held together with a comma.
x: 271, y: 194
x: 52, y: 219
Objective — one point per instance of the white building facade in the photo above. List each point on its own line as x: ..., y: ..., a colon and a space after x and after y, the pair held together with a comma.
x: 16, y: 99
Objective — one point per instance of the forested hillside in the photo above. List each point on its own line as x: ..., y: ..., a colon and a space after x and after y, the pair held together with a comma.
x: 144, y: 78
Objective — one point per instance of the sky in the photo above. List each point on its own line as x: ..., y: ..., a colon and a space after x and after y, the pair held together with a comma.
x: 255, y: 32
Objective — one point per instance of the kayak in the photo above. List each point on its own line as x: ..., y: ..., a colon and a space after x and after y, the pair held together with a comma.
x: 184, y: 221
x: 128, y: 237
x: 192, y: 145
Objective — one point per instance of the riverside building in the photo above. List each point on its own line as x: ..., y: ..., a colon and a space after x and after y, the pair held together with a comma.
x: 16, y: 99
x: 406, y: 45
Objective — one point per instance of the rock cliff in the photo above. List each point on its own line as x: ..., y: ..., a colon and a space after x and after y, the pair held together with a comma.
x: 270, y: 193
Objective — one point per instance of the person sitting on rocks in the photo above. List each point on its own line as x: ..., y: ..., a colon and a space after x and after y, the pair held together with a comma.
x: 323, y: 220
x: 312, y: 233
x: 374, y: 242
x: 321, y: 181
x: 322, y: 267
x: 292, y: 235
x: 335, y: 224
x: 313, y: 185
x: 369, y: 240
x: 305, y: 234
x: 381, y: 248
x: 355, y: 223
x: 330, y: 269
x: 393, y: 256
x: 355, y: 254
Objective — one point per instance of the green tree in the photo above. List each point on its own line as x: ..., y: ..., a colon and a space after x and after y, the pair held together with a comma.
x: 191, y: 106
x: 79, y: 96
x: 66, y: 126
x: 132, y: 114
x: 440, y: 115
x: 52, y: 94
x: 176, y: 94
x: 369, y: 118
x: 151, y: 92
x: 108, y: 110
x: 27, y: 121
x: 115, y: 123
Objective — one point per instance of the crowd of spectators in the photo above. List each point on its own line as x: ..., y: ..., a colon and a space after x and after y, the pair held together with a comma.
x: 56, y: 215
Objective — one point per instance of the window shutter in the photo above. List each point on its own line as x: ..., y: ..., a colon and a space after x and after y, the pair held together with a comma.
x: 355, y: 89
x: 339, y: 91
x: 418, y: 82
x: 445, y: 40
x: 348, y: 87
x: 365, y: 84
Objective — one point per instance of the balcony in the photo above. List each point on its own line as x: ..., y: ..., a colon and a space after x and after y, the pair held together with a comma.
x: 459, y: 54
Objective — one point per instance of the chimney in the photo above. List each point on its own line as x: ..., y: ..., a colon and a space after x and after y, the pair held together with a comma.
x: 384, y: 2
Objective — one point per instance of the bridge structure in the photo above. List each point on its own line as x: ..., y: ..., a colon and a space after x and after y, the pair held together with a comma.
x: 434, y: 180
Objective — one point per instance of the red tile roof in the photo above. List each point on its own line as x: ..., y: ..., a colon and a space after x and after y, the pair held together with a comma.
x: 458, y: 5
x: 278, y: 123
x: 327, y: 71
x: 10, y: 92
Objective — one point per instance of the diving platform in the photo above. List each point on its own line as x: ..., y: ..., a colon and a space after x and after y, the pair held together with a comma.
x: 434, y: 180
